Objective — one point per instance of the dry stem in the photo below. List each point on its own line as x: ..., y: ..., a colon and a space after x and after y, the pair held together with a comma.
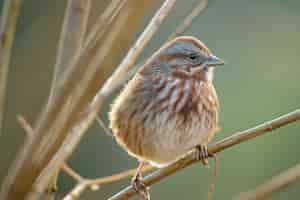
x: 96, y: 183
x: 29, y: 133
x: 10, y: 12
x: 70, y: 43
x: 190, y: 158
x: 277, y: 183
x: 196, y: 11
x: 71, y: 37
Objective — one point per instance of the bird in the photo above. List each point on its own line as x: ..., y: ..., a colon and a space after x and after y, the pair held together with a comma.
x: 169, y: 107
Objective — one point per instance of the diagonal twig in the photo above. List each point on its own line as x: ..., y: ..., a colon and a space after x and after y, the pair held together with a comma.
x: 98, y: 182
x: 226, y: 143
x: 188, y: 20
x: 29, y: 134
x: 8, y: 21
x: 71, y: 38
x: 277, y: 183
x: 70, y: 43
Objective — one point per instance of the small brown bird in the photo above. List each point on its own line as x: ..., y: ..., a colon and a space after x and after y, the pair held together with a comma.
x: 169, y: 107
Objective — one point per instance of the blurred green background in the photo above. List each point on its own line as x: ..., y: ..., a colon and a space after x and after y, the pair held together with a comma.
x: 258, y: 39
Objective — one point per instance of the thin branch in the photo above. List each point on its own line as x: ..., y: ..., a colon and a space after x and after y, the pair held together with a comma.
x: 277, y: 183
x: 89, y: 114
x: 188, y: 20
x: 190, y: 158
x: 102, y: 21
x: 71, y: 38
x: 96, y: 183
x: 103, y: 126
x: 70, y: 43
x: 69, y: 171
x: 10, y: 12
x: 25, y: 126
x: 29, y: 133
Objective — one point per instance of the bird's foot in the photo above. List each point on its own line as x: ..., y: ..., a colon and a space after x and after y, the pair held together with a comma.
x: 140, y: 187
x: 202, y: 154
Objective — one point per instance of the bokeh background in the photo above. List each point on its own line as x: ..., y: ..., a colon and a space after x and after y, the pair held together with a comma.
x: 258, y: 39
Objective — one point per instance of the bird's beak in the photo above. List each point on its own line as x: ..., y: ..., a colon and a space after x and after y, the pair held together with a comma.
x: 213, y: 61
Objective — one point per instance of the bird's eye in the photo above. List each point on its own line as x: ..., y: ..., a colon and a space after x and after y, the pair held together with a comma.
x: 193, y: 57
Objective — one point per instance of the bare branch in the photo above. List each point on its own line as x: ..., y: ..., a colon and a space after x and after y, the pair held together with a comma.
x: 10, y: 12
x: 190, y: 158
x: 196, y: 11
x: 103, y: 126
x: 29, y: 133
x: 96, y: 183
x: 70, y: 43
x: 69, y: 171
x: 277, y: 183
x: 71, y: 37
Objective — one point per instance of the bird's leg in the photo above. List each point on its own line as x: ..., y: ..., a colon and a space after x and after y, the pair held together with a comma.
x: 138, y: 184
x: 202, y: 153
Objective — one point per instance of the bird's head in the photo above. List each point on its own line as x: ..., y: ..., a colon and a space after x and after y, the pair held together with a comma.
x: 184, y: 57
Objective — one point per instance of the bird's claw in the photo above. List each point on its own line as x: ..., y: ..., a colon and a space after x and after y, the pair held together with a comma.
x: 140, y: 187
x: 202, y: 154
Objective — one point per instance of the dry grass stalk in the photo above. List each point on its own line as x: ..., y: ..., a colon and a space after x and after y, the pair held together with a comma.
x: 70, y: 43
x: 188, y: 20
x: 10, y: 12
x: 275, y: 184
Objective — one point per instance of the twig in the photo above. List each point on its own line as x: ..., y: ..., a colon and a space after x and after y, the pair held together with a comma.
x: 190, y: 158
x: 98, y: 30
x: 70, y: 43
x: 96, y: 183
x: 71, y: 38
x: 196, y: 11
x: 89, y: 114
x: 29, y: 133
x: 214, y: 179
x: 277, y: 183
x: 69, y: 171
x: 103, y: 126
x: 10, y: 12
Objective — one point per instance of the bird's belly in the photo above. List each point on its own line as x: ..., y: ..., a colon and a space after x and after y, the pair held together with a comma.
x: 169, y: 138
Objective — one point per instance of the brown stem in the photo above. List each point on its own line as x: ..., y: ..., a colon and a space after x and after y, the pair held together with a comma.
x: 71, y: 38
x: 277, y: 183
x: 8, y: 21
x: 70, y: 43
x: 98, y: 182
x: 188, y: 20
x: 190, y: 158
x: 29, y: 133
